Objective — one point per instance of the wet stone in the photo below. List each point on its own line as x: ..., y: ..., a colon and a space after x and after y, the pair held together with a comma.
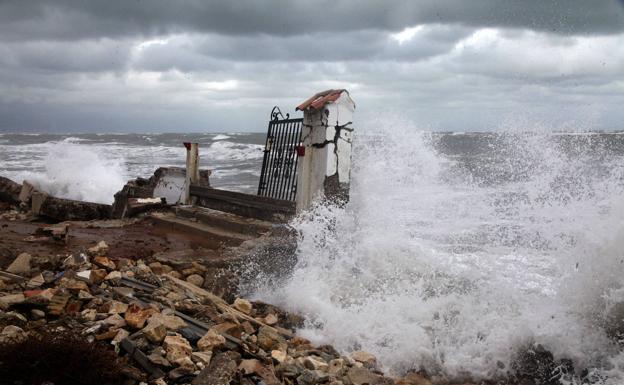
x: 210, y: 341
x: 21, y: 264
x: 242, y: 305
x: 221, y: 370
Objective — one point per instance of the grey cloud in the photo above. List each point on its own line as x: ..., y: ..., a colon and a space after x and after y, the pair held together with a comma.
x: 77, y: 56
x: 76, y: 19
x: 217, y: 52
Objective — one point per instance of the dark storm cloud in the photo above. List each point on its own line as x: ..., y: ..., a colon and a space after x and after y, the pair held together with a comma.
x: 216, y: 52
x: 67, y: 19
x: 137, y: 65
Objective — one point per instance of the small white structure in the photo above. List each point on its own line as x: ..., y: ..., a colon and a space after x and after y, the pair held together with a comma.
x: 324, y: 165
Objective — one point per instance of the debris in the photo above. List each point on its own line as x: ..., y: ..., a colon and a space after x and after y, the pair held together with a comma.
x: 195, y: 279
x: 242, y: 305
x: 210, y: 341
x: 21, y: 264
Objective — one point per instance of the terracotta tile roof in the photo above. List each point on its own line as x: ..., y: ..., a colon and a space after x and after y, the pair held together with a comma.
x: 319, y: 100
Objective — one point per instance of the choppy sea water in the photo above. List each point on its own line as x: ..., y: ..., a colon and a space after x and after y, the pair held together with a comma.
x: 455, y: 252
x: 93, y: 167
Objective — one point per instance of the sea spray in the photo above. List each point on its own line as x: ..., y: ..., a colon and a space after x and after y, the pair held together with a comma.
x: 458, y: 251
x: 77, y: 171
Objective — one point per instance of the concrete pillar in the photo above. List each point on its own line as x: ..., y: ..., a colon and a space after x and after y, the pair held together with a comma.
x: 324, y: 164
x: 192, y: 170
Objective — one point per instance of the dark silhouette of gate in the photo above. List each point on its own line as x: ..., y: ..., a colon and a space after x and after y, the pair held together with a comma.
x: 278, y: 178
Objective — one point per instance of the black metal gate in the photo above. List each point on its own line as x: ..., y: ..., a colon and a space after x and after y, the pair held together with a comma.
x: 278, y: 178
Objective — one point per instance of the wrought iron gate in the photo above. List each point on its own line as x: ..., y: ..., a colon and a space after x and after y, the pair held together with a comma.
x: 278, y: 178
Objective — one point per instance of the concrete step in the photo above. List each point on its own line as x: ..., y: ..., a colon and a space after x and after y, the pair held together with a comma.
x: 227, y: 221
x: 190, y: 225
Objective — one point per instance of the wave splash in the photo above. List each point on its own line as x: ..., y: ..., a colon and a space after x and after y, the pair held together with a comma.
x: 452, y: 259
x: 78, y: 171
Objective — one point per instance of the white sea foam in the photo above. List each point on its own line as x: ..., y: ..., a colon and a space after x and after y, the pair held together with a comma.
x: 230, y: 151
x: 431, y: 269
x: 75, y: 171
x: 221, y: 137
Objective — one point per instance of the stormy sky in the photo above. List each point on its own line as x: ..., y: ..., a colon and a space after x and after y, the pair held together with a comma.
x: 199, y: 66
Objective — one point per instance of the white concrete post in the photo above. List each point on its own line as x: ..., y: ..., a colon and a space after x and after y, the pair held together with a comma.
x: 192, y: 170
x: 324, y: 164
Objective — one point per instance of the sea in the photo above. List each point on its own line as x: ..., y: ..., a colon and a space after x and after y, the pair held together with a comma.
x: 456, y: 252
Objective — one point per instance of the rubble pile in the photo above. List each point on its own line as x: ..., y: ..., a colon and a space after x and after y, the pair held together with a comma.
x: 169, y: 329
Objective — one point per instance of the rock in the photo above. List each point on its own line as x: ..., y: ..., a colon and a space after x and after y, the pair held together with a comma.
x: 177, y: 347
x: 107, y: 335
x: 100, y: 249
x: 170, y: 322
x: 88, y: 314
x: 116, y: 307
x: 99, y: 275
x: 136, y: 316
x: 12, y: 333
x: 195, y: 279
x: 155, y: 332
x: 231, y: 328
x: 158, y: 359
x: 269, y: 339
x: 254, y: 366
x: 312, y: 377
x: 270, y: 319
x: 73, y: 285
x: 104, y: 262
x: 221, y: 370
x: 21, y: 264
x: 37, y: 314
x: 289, y: 369
x: 336, y: 367
x: 278, y: 356
x: 114, y: 321
x: 2, y: 284
x: 10, y: 300
x: 315, y: 363
x: 362, y: 376
x: 124, y: 292
x: 179, y: 372
x: 36, y: 281
x: 113, y: 275
x: 120, y: 336
x: 202, y: 357
x: 366, y: 358
x: 242, y: 305
x: 160, y: 269
x: 210, y: 341
x: 84, y: 295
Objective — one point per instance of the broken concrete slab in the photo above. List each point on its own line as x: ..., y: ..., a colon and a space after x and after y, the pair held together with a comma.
x: 9, y: 191
x: 71, y: 210
x: 37, y: 201
x: 26, y: 192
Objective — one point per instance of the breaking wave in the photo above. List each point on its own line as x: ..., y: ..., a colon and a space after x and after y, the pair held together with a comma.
x: 454, y: 260
x: 75, y: 171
